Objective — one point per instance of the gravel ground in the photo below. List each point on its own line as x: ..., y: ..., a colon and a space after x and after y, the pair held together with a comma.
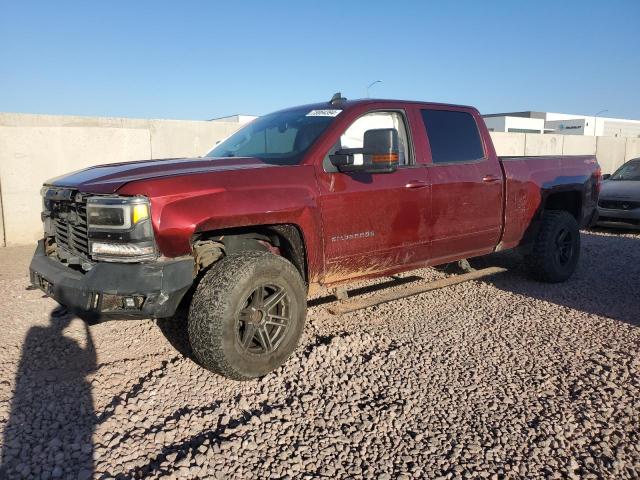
x: 500, y: 378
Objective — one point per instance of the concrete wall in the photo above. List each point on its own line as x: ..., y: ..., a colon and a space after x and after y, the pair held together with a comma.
x: 543, y: 144
x: 34, y: 148
x: 633, y: 149
x: 577, y: 145
x: 1, y: 220
x: 610, y: 151
x: 508, y: 144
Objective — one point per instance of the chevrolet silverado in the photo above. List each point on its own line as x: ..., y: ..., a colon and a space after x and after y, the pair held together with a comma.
x: 315, y: 195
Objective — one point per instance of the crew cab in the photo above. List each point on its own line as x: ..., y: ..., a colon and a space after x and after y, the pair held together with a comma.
x: 315, y: 195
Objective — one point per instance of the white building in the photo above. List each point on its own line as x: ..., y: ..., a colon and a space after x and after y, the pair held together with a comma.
x: 562, y: 123
x: 241, y: 119
x: 515, y: 124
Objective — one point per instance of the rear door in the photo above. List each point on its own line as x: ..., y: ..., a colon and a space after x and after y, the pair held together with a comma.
x: 373, y: 222
x: 466, y: 184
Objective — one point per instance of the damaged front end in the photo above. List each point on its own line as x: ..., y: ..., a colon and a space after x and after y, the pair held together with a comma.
x: 98, y: 257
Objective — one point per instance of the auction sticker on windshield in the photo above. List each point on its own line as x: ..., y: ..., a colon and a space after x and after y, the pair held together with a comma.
x: 323, y: 113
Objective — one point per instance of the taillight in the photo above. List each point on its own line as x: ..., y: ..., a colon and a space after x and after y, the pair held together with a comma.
x: 598, y: 178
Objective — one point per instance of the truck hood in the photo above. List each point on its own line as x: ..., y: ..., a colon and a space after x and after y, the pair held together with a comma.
x: 620, y: 189
x: 109, y: 178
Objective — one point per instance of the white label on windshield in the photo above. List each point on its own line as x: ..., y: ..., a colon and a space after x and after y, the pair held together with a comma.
x: 323, y: 113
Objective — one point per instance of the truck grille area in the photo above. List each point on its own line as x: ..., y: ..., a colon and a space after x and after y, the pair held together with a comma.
x: 69, y: 224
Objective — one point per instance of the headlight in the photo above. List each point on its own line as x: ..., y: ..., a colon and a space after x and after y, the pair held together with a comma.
x: 120, y: 229
x: 116, y: 214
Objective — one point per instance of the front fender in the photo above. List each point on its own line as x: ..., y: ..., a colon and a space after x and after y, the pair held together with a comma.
x: 184, y: 206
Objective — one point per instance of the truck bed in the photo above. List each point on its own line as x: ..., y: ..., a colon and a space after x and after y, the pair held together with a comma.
x: 529, y: 179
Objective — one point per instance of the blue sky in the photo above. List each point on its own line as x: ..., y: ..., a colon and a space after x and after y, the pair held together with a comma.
x: 205, y: 59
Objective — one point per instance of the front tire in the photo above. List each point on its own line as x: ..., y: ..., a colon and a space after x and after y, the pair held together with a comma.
x: 247, y: 315
x: 556, y: 250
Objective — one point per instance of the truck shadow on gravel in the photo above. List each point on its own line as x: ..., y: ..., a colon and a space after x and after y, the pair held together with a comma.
x: 606, y: 282
x: 50, y: 427
x: 175, y: 331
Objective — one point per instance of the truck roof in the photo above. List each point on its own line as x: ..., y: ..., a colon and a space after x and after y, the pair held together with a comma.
x: 345, y: 104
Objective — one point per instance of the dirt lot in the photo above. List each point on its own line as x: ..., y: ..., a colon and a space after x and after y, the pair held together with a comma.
x: 500, y: 378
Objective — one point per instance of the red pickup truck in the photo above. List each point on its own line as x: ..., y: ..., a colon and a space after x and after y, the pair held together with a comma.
x: 310, y: 196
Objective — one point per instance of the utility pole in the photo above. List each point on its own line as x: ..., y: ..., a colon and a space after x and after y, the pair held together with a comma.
x: 595, y: 121
x: 371, y: 85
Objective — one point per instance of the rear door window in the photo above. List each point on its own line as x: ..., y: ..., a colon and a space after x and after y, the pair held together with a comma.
x: 453, y: 136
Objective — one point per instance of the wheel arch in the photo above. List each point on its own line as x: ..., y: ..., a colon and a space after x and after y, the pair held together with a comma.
x: 565, y: 200
x: 569, y: 199
x: 286, y: 240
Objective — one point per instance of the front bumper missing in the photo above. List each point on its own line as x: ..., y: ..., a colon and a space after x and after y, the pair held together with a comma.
x: 114, y: 290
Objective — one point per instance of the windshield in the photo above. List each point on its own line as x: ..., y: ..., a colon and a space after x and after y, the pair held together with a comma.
x: 279, y: 138
x: 629, y: 171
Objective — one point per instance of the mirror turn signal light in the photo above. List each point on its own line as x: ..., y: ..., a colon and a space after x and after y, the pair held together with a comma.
x: 385, y: 158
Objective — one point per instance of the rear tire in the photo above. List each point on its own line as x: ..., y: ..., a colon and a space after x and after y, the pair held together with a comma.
x: 556, y: 250
x: 247, y: 315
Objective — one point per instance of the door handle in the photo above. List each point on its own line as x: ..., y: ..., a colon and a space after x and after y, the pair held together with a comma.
x: 416, y: 184
x: 490, y: 178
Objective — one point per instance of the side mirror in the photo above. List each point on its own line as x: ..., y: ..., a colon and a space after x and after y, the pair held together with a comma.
x: 379, y: 154
x: 606, y: 176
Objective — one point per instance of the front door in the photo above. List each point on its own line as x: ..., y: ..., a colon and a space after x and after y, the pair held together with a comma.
x: 373, y: 222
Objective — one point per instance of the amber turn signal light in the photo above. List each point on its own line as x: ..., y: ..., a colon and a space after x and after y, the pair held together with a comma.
x: 385, y: 158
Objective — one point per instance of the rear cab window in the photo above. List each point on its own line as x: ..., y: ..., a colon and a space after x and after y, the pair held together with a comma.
x: 453, y: 136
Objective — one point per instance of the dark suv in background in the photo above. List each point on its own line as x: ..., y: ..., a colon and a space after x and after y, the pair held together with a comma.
x: 619, y: 202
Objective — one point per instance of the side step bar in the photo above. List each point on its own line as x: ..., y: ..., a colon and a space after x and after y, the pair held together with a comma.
x: 353, y: 304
